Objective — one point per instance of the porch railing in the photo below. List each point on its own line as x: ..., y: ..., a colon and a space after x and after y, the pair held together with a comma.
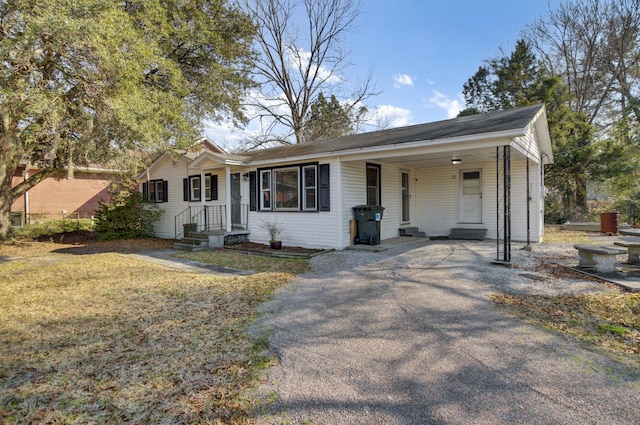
x: 209, y: 218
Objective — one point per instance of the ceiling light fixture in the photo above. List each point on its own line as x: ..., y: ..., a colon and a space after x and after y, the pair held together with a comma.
x: 456, y: 161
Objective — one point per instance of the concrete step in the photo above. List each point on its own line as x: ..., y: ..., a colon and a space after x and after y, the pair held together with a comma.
x: 196, y: 235
x: 195, y: 242
x: 467, y: 234
x: 179, y: 246
x: 411, y: 231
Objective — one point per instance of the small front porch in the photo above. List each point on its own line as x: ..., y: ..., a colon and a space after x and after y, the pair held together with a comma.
x: 207, y: 226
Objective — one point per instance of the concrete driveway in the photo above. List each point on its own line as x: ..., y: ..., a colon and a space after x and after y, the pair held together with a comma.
x: 408, y: 336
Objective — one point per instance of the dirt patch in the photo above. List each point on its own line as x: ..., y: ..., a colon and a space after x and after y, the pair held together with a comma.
x: 77, y: 242
x: 285, y: 251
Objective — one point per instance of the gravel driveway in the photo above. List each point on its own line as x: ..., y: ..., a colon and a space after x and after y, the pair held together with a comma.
x: 408, y: 336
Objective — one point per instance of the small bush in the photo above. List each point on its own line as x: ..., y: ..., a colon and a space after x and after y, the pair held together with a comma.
x: 126, y: 216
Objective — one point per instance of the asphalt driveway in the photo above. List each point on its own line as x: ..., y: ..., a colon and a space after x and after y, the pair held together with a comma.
x: 408, y: 336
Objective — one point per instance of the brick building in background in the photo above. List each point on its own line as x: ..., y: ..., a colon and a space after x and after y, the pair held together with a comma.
x: 76, y: 197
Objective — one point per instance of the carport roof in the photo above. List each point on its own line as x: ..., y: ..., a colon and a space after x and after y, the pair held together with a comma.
x: 500, y: 122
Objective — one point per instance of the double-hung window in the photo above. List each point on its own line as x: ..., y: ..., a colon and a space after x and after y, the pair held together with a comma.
x: 265, y: 190
x: 373, y: 184
x: 310, y: 183
x: 155, y: 190
x: 302, y: 187
x: 195, y: 189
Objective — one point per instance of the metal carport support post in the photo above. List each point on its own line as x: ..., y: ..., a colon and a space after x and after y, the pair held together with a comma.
x: 503, y: 221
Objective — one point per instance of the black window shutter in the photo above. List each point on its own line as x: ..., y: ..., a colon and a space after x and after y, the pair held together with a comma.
x: 253, y: 191
x: 185, y: 189
x: 165, y: 191
x: 214, y: 187
x: 145, y: 191
x: 324, y: 201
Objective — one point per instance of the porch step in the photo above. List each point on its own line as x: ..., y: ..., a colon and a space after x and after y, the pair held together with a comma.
x: 411, y: 231
x: 195, y: 242
x: 470, y: 234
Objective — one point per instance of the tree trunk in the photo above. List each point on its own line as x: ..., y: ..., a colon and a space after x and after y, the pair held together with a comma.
x: 581, y: 193
x: 8, y: 165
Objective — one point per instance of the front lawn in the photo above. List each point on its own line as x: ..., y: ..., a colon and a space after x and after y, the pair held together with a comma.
x: 242, y: 261
x: 610, y: 320
x: 100, y: 338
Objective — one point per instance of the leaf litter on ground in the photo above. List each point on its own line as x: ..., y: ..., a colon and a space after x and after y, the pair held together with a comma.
x: 104, y: 339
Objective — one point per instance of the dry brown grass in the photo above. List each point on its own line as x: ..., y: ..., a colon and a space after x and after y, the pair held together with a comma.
x: 242, y: 261
x: 555, y: 234
x: 101, y: 338
x: 610, y: 320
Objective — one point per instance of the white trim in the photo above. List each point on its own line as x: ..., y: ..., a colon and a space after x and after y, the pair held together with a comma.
x: 408, y: 192
x: 303, y: 189
x: 461, y: 194
x: 274, y: 188
x: 227, y: 196
x: 261, y: 189
x: 339, y: 208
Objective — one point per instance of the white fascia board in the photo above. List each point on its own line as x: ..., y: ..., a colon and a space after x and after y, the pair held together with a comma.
x: 217, y: 160
x: 402, y: 149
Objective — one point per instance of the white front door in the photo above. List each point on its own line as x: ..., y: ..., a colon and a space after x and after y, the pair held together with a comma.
x: 470, y: 203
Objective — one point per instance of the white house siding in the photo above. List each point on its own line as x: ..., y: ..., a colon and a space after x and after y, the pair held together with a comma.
x: 173, y: 172
x: 354, y: 193
x: 435, y: 200
x: 305, y: 229
x: 528, y: 143
x: 518, y: 201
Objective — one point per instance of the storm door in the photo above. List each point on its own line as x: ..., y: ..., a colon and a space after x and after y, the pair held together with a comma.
x: 236, y: 208
x: 470, y: 203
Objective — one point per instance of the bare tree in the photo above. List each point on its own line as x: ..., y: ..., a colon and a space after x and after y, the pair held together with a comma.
x: 594, y: 46
x: 296, y: 63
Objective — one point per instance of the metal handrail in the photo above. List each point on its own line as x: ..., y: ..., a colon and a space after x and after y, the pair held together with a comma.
x: 210, y: 218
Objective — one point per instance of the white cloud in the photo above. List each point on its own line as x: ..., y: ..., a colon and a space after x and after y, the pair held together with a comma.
x: 298, y: 59
x: 402, y: 80
x: 430, y: 81
x: 452, y: 106
x: 388, y: 116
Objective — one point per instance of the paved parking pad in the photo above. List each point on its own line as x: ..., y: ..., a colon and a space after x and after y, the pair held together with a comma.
x: 409, y: 336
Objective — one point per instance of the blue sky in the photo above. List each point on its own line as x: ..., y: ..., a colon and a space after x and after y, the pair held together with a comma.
x: 421, y: 52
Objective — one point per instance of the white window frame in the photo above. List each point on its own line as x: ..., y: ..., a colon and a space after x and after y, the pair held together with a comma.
x: 207, y: 187
x: 158, y: 194
x: 265, y: 189
x: 405, y: 195
x: 193, y: 188
x: 377, y: 187
x: 274, y: 185
x: 305, y: 188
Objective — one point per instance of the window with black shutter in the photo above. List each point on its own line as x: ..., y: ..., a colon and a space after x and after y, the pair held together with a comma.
x: 156, y: 190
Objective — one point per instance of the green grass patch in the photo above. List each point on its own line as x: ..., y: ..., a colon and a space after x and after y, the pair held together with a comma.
x: 242, y: 261
x: 105, y: 339
x: 609, y: 320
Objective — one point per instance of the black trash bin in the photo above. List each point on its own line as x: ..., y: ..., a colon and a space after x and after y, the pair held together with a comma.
x: 368, y: 218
